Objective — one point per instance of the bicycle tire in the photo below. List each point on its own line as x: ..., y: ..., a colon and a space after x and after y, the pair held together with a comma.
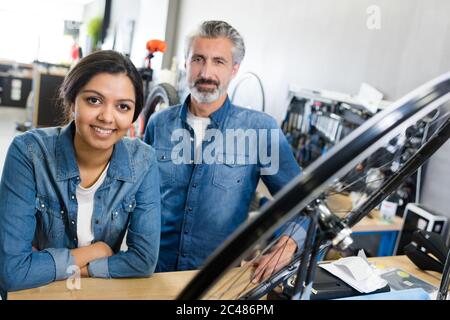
x: 163, y: 92
x: 245, y: 77
x: 305, y: 188
x: 392, y: 183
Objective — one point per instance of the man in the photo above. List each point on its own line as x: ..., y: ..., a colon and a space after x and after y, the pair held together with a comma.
x: 207, y: 181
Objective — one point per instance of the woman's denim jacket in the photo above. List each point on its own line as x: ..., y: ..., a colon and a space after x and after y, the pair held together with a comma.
x: 38, y: 208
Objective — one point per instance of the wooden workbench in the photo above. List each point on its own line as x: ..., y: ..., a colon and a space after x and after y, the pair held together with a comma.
x: 341, y: 204
x: 160, y: 286
x: 168, y: 285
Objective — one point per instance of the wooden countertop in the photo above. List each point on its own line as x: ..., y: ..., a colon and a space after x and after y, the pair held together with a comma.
x: 167, y: 285
x: 160, y: 286
x: 341, y: 204
x: 402, y: 262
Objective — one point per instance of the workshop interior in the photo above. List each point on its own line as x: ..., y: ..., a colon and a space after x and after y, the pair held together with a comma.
x: 360, y: 91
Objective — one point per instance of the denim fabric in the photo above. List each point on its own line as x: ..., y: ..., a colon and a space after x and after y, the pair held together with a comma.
x: 202, y: 204
x: 38, y: 207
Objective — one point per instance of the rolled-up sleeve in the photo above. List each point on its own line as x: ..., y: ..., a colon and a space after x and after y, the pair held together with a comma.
x: 99, y: 268
x: 296, y: 229
x: 63, y: 260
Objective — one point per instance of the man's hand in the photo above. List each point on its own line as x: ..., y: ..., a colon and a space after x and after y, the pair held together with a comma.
x: 278, y: 256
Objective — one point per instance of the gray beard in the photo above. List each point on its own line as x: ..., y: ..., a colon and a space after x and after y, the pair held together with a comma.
x: 206, y: 97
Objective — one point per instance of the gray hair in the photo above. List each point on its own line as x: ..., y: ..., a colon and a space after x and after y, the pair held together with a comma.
x: 218, y: 29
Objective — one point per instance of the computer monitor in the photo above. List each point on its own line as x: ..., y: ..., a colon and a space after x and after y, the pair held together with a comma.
x: 415, y: 217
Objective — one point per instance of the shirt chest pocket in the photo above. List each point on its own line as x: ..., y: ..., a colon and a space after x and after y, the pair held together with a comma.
x: 166, y: 167
x: 120, y: 216
x: 228, y: 175
x: 50, y: 217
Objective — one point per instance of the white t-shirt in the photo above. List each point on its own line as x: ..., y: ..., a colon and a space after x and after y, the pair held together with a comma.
x: 85, y: 199
x: 199, y: 125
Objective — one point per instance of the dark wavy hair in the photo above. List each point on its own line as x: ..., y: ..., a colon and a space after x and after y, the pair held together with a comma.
x: 105, y: 61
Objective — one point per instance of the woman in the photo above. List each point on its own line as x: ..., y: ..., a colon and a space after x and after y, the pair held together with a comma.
x: 68, y: 195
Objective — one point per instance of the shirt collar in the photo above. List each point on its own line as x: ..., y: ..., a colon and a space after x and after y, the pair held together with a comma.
x: 120, y: 167
x: 217, y: 117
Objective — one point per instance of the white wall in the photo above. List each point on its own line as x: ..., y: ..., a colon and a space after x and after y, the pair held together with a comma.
x: 326, y: 44
x: 92, y: 10
x: 32, y: 30
x: 435, y: 188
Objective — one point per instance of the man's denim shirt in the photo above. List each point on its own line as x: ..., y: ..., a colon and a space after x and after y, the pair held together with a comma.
x: 38, y: 207
x: 202, y: 204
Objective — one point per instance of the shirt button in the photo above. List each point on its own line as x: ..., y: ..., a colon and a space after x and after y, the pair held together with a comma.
x: 189, y: 209
x: 72, y: 197
x: 192, y: 139
x: 194, y: 185
x: 73, y: 222
x: 42, y: 205
x: 163, y: 157
x: 78, y: 178
x: 192, y: 161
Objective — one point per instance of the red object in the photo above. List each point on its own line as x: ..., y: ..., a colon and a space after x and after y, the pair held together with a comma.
x: 75, y: 52
x: 156, y: 45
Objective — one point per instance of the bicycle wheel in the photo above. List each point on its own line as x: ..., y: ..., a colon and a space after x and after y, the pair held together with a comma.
x: 160, y: 97
x: 249, y: 92
x: 431, y: 133
x: 304, y: 189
